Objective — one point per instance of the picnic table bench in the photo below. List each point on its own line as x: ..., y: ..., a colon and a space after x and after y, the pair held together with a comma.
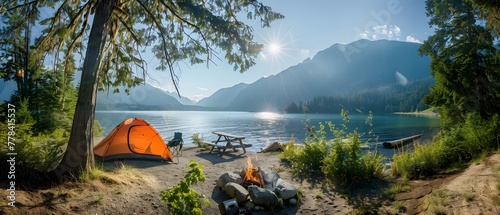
x: 228, y: 138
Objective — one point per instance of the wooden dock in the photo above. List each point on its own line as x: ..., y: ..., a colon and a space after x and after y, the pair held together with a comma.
x: 401, y: 142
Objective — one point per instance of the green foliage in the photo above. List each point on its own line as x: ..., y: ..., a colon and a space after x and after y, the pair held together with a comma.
x: 198, y: 142
x: 396, y: 188
x: 346, y: 165
x: 35, y: 153
x: 456, y: 146
x: 464, y: 61
x: 470, y: 140
x: 423, y: 161
x: 309, y: 158
x: 98, y: 130
x: 181, y: 198
x: 290, y: 150
x: 340, y: 160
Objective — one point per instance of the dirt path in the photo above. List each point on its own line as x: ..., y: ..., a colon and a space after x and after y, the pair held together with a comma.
x: 475, y: 190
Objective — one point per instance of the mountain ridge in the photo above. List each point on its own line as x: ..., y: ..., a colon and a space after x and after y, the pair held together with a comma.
x: 339, y: 69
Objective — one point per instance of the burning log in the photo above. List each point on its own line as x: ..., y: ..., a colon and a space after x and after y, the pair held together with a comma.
x: 252, y: 175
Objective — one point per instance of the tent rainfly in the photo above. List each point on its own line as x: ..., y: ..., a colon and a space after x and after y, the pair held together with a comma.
x: 133, y: 138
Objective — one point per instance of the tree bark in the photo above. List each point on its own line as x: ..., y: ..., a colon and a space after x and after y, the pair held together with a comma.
x: 79, y: 153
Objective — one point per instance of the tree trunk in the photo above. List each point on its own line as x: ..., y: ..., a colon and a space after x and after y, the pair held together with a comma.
x: 79, y: 153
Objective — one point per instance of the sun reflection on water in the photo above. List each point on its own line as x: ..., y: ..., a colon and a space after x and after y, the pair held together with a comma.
x: 268, y: 116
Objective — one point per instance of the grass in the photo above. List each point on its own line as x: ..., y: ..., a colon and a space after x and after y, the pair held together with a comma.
x: 420, y: 163
x: 397, y: 188
x: 300, y: 195
x: 469, y: 197
x: 318, y: 196
x: 98, y: 200
x: 399, y: 206
x: 94, y: 174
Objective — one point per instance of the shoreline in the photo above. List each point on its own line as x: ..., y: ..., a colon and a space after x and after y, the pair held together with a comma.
x: 429, y: 114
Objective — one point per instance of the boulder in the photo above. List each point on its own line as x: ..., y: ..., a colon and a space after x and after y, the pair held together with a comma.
x: 236, y: 191
x: 228, y: 177
x: 284, y: 189
x: 263, y: 197
x: 250, y: 205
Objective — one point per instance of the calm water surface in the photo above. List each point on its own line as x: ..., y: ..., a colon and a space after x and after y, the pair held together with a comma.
x: 264, y: 127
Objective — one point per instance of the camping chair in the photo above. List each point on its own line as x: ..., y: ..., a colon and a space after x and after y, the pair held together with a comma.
x: 175, y: 145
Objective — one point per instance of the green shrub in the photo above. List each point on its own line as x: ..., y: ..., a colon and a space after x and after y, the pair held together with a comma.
x: 198, y: 141
x: 346, y: 165
x: 340, y: 160
x: 309, y: 158
x: 453, y: 147
x: 39, y: 153
x: 181, y: 198
x: 290, y: 151
x: 424, y: 161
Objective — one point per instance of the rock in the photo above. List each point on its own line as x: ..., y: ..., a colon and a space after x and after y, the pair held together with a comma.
x: 228, y: 177
x: 236, y: 191
x: 263, y: 197
x: 272, y: 147
x: 285, y: 189
x: 250, y: 205
x: 259, y: 208
x: 293, y: 201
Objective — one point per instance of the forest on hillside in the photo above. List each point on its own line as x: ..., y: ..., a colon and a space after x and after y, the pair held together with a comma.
x: 384, y: 99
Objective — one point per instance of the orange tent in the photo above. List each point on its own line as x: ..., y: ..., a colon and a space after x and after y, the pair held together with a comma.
x: 133, y: 138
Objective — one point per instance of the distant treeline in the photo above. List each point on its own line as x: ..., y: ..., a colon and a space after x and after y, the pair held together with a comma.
x: 386, y: 99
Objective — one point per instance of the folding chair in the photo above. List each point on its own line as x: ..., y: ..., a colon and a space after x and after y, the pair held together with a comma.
x: 175, y: 145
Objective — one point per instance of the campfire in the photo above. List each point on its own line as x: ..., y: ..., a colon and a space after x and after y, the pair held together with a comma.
x: 252, y: 175
x: 255, y: 189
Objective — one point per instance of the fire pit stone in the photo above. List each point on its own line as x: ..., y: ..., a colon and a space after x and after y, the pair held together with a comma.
x: 236, y: 191
x: 264, y: 197
x: 285, y: 189
x: 228, y: 177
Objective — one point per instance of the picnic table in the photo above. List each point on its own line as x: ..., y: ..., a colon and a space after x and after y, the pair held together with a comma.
x: 228, y: 138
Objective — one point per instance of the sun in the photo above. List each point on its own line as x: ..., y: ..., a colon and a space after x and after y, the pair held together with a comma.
x: 274, y: 48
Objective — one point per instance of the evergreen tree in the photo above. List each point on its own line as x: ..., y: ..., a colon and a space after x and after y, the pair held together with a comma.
x: 120, y: 30
x: 463, y: 61
x: 490, y: 11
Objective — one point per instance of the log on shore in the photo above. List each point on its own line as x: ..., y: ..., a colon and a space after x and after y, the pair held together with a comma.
x: 401, y: 142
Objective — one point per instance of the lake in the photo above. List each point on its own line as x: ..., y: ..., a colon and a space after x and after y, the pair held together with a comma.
x: 261, y: 128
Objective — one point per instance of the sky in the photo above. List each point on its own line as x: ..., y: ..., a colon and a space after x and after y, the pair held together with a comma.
x: 308, y: 27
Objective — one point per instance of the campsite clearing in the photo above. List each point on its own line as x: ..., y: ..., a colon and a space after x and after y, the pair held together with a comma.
x: 134, y: 186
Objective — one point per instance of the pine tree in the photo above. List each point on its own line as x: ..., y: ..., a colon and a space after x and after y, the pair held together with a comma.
x: 120, y: 30
x: 463, y: 61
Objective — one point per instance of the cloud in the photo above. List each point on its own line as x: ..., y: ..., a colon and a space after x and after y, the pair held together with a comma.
x: 202, y: 88
x: 412, y: 39
x: 382, y: 32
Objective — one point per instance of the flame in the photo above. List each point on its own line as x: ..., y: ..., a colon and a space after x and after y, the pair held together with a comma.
x: 251, y: 173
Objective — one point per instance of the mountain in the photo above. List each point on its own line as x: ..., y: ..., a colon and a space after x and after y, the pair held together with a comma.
x: 337, y: 70
x: 183, y: 100
x: 222, y: 97
x: 142, y: 97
